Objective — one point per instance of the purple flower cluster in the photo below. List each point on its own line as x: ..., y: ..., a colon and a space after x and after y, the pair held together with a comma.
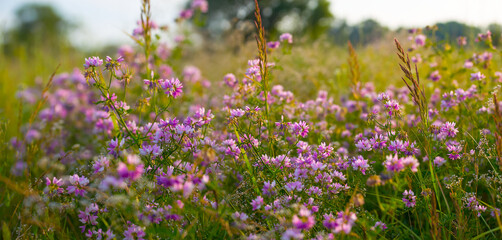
x: 286, y: 37
x: 409, y: 198
x: 92, y: 62
x: 53, y: 187
x: 477, y: 76
x: 172, y: 87
x: 304, y: 220
x: 134, y: 232
x: 132, y: 169
x: 78, y: 185
x: 471, y: 202
x: 395, y: 164
x: 452, y: 99
x: 300, y: 129
x: 343, y: 222
x: 392, y: 107
x: 455, y: 150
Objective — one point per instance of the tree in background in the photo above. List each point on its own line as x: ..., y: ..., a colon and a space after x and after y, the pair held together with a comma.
x: 496, y: 30
x: 450, y: 31
x: 36, y: 26
x: 302, y: 17
x: 365, y: 32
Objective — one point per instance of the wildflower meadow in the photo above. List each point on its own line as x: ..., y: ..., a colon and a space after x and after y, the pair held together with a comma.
x: 149, y: 144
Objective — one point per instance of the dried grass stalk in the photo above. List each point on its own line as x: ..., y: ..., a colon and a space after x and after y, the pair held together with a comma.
x: 412, y: 81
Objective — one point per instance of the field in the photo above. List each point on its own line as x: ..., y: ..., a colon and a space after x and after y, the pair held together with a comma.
x: 273, y: 138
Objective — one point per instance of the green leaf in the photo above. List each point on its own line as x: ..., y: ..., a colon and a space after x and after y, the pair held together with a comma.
x: 5, y: 231
x: 486, y: 233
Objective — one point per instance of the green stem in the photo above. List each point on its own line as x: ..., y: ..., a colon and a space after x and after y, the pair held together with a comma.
x: 246, y: 160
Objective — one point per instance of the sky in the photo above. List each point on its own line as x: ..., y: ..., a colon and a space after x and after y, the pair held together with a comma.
x: 106, y: 21
x: 396, y: 13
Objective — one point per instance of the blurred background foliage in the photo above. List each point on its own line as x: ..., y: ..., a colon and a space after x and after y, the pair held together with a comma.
x: 40, y: 26
x: 37, y: 26
x: 310, y: 18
